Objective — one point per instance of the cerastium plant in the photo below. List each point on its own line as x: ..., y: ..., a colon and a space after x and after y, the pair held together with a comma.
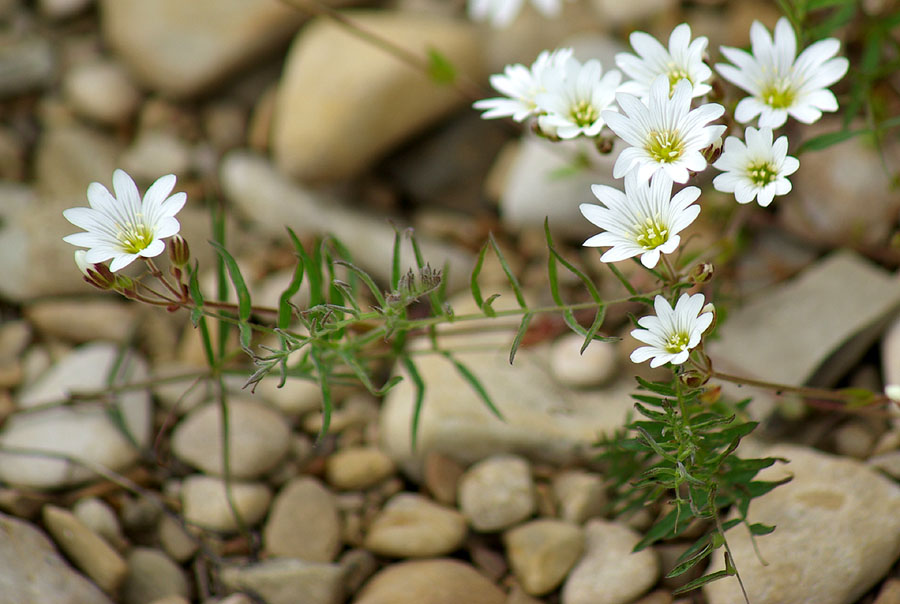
x: 680, y: 453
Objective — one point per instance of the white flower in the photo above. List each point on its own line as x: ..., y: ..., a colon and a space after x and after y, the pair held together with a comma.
x: 501, y: 13
x: 757, y: 169
x: 682, y: 61
x: 644, y: 221
x: 575, y: 98
x: 780, y: 86
x: 671, y: 334
x: 664, y: 134
x: 521, y: 85
x: 123, y: 227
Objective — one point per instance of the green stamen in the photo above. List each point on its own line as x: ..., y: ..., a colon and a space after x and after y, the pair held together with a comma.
x: 135, y: 237
x: 665, y: 146
x: 584, y: 114
x: 778, y: 94
x: 676, y: 74
x: 652, y: 234
x: 677, y: 342
x: 762, y: 173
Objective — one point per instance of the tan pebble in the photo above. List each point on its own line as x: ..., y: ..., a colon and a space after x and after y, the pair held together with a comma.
x: 442, y: 475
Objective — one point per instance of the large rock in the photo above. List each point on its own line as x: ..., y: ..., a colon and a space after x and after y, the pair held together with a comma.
x: 342, y: 103
x: 182, y: 48
x: 26, y: 554
x: 304, y: 522
x: 541, y: 420
x: 439, y: 581
x: 786, y: 334
x: 258, y: 438
x: 270, y: 201
x: 289, y: 581
x: 85, y: 431
x: 837, y: 533
x: 609, y: 572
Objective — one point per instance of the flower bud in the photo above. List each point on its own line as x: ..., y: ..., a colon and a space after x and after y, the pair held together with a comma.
x: 97, y: 275
x: 702, y: 273
x: 711, y: 394
x: 179, y: 251
x: 714, y: 151
x: 693, y: 379
x: 604, y: 145
x: 710, y: 307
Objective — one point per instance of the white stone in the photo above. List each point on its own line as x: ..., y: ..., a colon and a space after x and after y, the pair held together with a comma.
x: 155, y: 153
x: 335, y: 86
x: 204, y: 503
x: 542, y: 552
x: 83, y: 320
x: 836, y: 533
x: 609, y: 572
x: 304, y: 522
x: 412, y: 526
x: 357, y: 468
x: 616, y: 12
x: 580, y: 495
x: 63, y: 9
x: 183, y: 48
x: 258, y: 438
x: 440, y: 581
x: 97, y: 515
x: 101, y: 90
x: 152, y: 576
x: 269, y: 200
x: 84, y: 431
x: 25, y: 554
x: 497, y: 492
x: 282, y: 580
x: 593, y: 367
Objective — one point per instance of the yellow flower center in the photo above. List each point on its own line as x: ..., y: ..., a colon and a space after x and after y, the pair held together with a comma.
x: 677, y: 342
x: 778, y: 94
x: 676, y: 74
x: 135, y: 237
x: 652, y: 233
x: 665, y: 146
x: 762, y: 173
x: 584, y: 114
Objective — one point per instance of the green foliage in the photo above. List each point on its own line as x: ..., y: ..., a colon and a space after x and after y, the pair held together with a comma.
x: 682, y: 453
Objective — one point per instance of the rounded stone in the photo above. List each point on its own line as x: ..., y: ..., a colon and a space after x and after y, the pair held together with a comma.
x: 579, y: 495
x: 497, y: 492
x: 204, y: 503
x: 412, y: 526
x: 609, y: 572
x: 542, y: 552
x: 152, y: 576
x: 258, y: 438
x: 304, y: 522
x: 101, y: 90
x: 358, y: 468
x: 97, y: 515
x: 87, y: 550
x: 439, y: 581
x: 595, y: 366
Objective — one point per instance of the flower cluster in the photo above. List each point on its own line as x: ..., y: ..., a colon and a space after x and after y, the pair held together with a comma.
x: 662, y: 112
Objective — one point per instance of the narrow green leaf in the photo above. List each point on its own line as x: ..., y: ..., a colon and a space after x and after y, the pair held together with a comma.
x: 520, y: 333
x: 285, y: 310
x: 682, y: 566
x: 240, y: 288
x: 823, y: 141
x: 513, y: 282
x: 814, y: 5
x: 759, y: 528
x: 474, y: 383
x: 476, y: 271
x: 419, y: 389
x: 553, y: 278
x: 366, y: 279
x: 622, y: 278
x: 663, y: 528
x: 197, y: 317
x: 488, y: 306
x: 692, y: 585
x: 440, y: 69
x: 395, y: 259
x: 594, y: 328
x: 353, y: 363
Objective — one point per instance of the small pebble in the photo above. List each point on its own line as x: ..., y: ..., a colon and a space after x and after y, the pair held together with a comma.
x: 412, y: 526
x: 497, y: 492
x: 594, y: 367
x: 358, y: 468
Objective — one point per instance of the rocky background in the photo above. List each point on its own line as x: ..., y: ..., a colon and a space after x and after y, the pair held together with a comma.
x: 293, y: 121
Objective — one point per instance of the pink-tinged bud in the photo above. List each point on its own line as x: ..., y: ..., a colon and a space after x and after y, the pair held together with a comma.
x: 97, y: 275
x: 693, y: 379
x: 179, y: 251
x: 702, y: 273
x: 710, y: 307
x: 714, y: 151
